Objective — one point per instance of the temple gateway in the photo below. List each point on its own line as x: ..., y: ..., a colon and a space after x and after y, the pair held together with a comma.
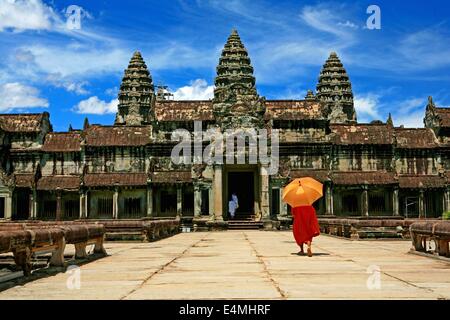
x: 125, y: 170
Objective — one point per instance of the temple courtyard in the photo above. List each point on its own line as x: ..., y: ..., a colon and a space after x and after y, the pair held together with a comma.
x: 247, y: 265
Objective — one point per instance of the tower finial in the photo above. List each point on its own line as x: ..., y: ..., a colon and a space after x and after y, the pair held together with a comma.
x: 389, y: 120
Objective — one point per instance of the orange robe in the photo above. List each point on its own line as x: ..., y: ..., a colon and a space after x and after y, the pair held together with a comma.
x: 305, y: 225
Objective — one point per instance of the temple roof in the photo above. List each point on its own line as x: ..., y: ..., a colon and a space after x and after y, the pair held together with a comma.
x: 363, y: 177
x: 171, y: 176
x: 415, y: 182
x: 294, y: 110
x: 415, y: 138
x: 24, y: 180
x: 169, y: 110
x: 62, y: 142
x: 22, y: 122
x: 362, y: 134
x: 444, y: 116
x: 99, y: 136
x: 319, y: 175
x: 115, y: 179
x: 55, y: 182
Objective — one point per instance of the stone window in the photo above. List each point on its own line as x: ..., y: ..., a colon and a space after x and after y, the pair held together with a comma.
x: 205, y: 202
x: 188, y: 201
x: 2, y: 207
x: 132, y: 207
x: 72, y: 209
x: 275, y: 205
x: 105, y: 207
x: 350, y: 204
x: 168, y: 202
x: 48, y: 209
x: 377, y: 203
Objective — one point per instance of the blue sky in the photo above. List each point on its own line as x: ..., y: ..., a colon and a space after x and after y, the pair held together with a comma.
x: 45, y: 66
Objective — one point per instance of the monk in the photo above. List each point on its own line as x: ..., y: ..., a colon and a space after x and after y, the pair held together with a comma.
x: 305, y: 226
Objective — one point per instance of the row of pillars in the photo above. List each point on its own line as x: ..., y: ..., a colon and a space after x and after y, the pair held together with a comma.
x: 216, y: 201
x: 365, y: 202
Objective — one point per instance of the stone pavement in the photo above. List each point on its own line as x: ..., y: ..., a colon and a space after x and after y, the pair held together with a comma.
x: 249, y: 265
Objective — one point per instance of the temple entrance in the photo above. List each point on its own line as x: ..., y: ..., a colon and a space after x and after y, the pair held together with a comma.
x: 243, y: 184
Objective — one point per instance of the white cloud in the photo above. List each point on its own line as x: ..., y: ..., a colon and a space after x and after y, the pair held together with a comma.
x: 19, y: 96
x: 409, y: 112
x: 412, y: 120
x: 198, y: 90
x: 20, y: 15
x: 69, y: 85
x: 348, y: 24
x: 323, y: 19
x: 366, y: 107
x: 82, y: 61
x: 94, y: 105
x: 426, y: 49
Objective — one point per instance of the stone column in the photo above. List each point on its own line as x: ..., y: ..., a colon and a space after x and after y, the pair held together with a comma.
x: 83, y: 209
x: 197, y: 201
x: 446, y: 206
x: 217, y: 187
x: 157, y: 209
x: 33, y: 205
x: 365, y: 202
x: 8, y: 207
x: 328, y: 199
x: 395, y: 202
x: 283, y: 205
x: 116, y: 204
x: 179, y: 200
x: 149, y: 201
x: 58, y: 206
x: 211, y: 203
x: 421, y: 204
x: 265, y: 205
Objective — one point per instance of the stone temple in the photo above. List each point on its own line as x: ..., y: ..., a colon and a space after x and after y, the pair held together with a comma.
x: 125, y: 170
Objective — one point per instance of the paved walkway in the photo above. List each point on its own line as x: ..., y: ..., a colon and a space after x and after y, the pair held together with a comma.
x: 249, y: 265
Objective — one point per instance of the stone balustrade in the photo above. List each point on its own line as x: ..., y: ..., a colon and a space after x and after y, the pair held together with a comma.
x: 37, y: 237
x: 431, y: 237
x: 139, y: 229
x: 354, y: 228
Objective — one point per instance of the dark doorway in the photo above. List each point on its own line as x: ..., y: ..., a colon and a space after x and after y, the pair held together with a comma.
x: 22, y: 204
x: 2, y: 207
x: 242, y: 183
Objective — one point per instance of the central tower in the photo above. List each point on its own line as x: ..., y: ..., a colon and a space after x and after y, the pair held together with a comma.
x: 236, y: 102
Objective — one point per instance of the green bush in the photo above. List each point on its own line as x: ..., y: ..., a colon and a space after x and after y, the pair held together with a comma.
x: 446, y: 215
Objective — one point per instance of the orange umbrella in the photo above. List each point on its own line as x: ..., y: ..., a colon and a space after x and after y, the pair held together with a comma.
x: 302, y: 192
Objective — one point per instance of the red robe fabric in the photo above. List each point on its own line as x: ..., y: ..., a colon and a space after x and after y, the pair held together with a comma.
x: 305, y: 225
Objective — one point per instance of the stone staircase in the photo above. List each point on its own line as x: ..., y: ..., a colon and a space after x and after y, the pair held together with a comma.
x: 244, y: 222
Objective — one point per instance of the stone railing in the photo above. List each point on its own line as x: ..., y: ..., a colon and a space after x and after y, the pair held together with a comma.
x: 26, y: 239
x: 138, y: 229
x: 431, y: 237
x: 364, y: 228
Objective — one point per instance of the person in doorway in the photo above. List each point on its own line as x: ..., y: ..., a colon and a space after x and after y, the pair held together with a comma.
x: 305, y: 227
x: 233, y: 205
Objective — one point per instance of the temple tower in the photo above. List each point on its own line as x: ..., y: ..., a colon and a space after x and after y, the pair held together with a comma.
x: 236, y: 102
x: 136, y: 94
x: 335, y: 89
